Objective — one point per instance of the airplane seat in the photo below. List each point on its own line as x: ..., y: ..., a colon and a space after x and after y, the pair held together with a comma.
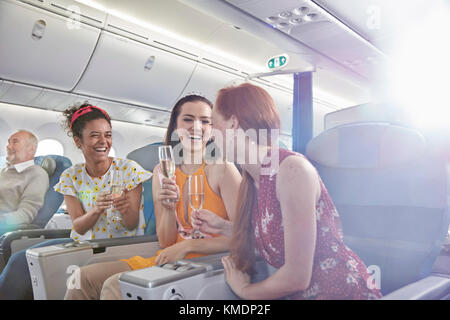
x: 26, y: 235
x: 55, y: 165
x: 148, y: 158
x: 390, y: 193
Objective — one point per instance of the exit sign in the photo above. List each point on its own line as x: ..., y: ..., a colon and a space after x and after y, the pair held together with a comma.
x: 278, y: 61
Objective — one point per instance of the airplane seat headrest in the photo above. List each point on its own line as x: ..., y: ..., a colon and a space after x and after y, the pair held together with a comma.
x: 49, y: 165
x: 54, y: 165
x: 148, y: 158
x: 366, y: 145
x: 390, y: 192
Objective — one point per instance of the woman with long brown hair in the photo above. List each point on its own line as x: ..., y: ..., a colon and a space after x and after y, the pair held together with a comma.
x: 283, y: 211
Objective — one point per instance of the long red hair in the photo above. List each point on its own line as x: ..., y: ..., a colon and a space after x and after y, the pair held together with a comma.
x: 255, y: 109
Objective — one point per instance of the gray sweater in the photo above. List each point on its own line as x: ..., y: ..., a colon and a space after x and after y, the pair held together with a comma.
x: 22, y: 194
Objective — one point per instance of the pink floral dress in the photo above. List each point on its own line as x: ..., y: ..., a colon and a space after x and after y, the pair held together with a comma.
x: 338, y: 273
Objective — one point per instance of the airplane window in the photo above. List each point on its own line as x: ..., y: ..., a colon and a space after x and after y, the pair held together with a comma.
x: 49, y: 146
x: 112, y: 152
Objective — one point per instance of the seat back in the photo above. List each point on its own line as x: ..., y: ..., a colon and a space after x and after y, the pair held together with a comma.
x: 52, y: 199
x: 390, y: 192
x: 148, y: 158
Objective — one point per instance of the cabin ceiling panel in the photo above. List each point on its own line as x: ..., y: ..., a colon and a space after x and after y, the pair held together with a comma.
x: 42, y: 48
x: 149, y: 117
x: 117, y: 111
x: 4, y: 87
x: 207, y: 81
x: 20, y: 94
x: 125, y: 76
x: 54, y: 100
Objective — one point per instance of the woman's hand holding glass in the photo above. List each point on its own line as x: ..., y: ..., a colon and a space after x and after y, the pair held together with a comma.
x: 167, y: 168
x: 118, y: 194
x: 103, y: 202
x: 169, y: 193
x: 208, y: 222
x: 121, y: 203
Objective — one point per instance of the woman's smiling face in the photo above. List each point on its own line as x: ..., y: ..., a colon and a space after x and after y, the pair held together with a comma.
x: 193, y: 125
x: 96, y: 140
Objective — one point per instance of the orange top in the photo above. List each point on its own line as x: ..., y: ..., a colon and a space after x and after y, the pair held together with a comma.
x: 212, y: 202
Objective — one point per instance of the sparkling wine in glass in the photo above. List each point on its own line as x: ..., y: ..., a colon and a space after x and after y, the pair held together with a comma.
x: 167, y: 163
x: 116, y: 191
x: 196, y: 197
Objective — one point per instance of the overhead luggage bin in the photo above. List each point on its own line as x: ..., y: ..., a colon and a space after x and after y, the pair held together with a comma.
x: 29, y: 36
x: 152, y: 76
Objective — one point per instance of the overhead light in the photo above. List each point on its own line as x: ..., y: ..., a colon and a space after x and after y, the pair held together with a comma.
x: 311, y: 17
x: 301, y: 11
x: 296, y: 21
x: 272, y: 19
x: 283, y: 25
x: 285, y: 14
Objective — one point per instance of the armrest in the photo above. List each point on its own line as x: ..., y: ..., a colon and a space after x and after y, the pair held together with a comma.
x: 28, y: 226
x: 50, y: 266
x: 14, y: 241
x: 104, y: 243
x: 429, y: 288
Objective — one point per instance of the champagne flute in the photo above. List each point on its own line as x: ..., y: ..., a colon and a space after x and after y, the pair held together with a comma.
x: 196, y: 198
x: 167, y: 163
x: 116, y: 191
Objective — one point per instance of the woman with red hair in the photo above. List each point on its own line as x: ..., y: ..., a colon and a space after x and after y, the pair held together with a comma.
x: 284, y: 212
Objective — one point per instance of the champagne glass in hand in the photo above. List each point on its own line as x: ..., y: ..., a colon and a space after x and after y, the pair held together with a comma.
x: 196, y: 198
x: 116, y: 191
x: 167, y: 164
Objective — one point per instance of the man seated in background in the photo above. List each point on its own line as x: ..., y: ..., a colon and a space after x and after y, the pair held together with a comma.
x: 22, y: 183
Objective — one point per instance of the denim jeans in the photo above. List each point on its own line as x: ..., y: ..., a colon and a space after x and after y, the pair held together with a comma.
x: 15, y: 280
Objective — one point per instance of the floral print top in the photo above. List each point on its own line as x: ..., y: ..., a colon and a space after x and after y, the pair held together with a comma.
x: 76, y: 182
x: 338, y: 273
